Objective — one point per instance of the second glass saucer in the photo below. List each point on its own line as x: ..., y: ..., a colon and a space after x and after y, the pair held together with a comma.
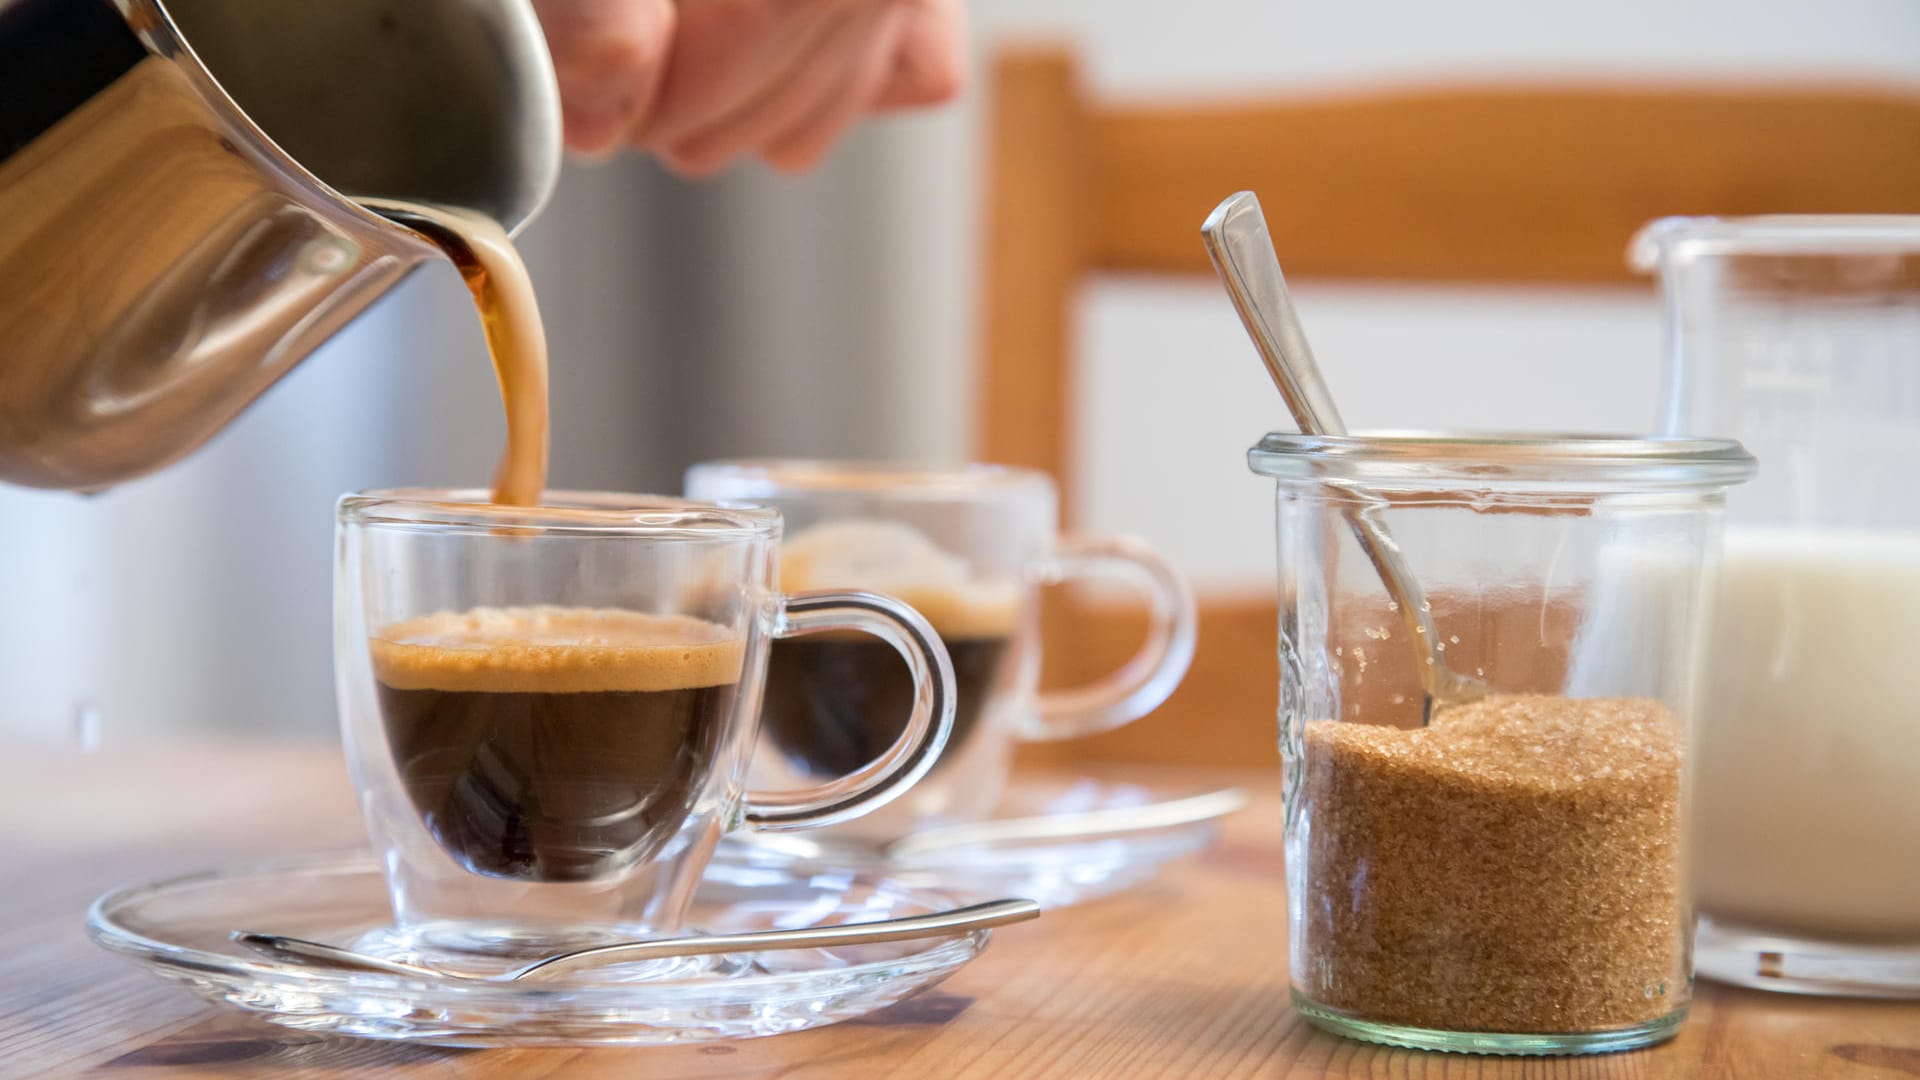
x: 1059, y: 844
x: 178, y: 928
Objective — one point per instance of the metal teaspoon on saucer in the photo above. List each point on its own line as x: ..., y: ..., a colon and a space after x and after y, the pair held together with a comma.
x: 957, y: 921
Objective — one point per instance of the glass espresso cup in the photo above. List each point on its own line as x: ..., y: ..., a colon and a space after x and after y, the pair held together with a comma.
x: 549, y: 712
x: 970, y: 547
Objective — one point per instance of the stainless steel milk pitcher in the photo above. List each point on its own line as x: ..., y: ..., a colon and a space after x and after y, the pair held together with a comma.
x: 177, y: 184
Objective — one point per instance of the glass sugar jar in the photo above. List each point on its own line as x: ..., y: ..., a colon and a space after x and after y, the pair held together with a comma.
x: 1505, y: 874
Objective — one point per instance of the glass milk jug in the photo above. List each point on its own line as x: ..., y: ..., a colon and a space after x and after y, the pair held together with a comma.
x: 1800, y: 336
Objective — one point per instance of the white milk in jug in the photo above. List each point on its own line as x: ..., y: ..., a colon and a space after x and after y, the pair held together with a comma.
x: 1808, y: 753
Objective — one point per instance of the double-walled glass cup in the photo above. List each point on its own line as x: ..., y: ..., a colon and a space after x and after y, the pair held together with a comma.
x: 549, y: 712
x: 970, y: 547
x: 1507, y: 875
x: 1800, y: 336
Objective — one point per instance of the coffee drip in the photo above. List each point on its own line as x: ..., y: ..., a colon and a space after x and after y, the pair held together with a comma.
x: 497, y: 277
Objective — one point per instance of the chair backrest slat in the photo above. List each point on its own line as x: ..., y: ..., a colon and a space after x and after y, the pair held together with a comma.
x: 1508, y: 184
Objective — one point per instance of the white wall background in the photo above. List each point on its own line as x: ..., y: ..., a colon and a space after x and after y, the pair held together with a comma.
x: 834, y: 315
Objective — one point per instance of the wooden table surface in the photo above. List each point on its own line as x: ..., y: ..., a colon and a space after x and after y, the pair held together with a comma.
x: 1185, y: 977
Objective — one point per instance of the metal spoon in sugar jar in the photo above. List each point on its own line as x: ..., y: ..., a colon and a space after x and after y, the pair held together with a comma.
x: 1237, y: 241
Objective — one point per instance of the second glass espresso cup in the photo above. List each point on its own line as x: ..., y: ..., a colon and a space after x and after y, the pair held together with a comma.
x: 969, y: 546
x: 549, y: 712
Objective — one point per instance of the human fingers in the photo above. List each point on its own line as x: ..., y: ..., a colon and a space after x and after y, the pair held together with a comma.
x: 609, y: 57
x: 858, y: 38
x: 802, y: 144
x: 726, y: 53
x: 931, y: 65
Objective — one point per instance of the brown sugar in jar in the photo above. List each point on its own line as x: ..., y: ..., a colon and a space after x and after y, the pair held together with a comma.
x: 1514, y: 867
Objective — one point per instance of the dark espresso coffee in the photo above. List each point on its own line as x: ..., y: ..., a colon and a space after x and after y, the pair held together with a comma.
x: 836, y: 702
x: 554, y: 744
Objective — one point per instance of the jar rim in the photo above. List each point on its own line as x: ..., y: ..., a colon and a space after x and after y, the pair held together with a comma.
x: 1614, y: 461
x: 1772, y: 234
x: 662, y: 517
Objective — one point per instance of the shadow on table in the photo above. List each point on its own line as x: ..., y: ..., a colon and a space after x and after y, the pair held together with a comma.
x: 249, y: 1045
x: 244, y: 1042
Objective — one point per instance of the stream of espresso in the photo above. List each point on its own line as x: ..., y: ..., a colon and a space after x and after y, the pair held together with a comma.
x: 503, y: 293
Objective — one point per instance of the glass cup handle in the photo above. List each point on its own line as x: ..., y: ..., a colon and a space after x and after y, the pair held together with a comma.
x: 883, y: 779
x: 1142, y: 683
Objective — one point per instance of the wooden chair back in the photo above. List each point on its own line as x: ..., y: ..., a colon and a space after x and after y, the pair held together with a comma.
x: 1485, y: 184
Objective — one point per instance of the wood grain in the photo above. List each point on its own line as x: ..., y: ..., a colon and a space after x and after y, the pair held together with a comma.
x: 1509, y: 184
x: 1184, y: 977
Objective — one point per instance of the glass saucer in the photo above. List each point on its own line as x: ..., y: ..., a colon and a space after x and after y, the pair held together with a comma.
x: 178, y: 927
x: 1056, y: 871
